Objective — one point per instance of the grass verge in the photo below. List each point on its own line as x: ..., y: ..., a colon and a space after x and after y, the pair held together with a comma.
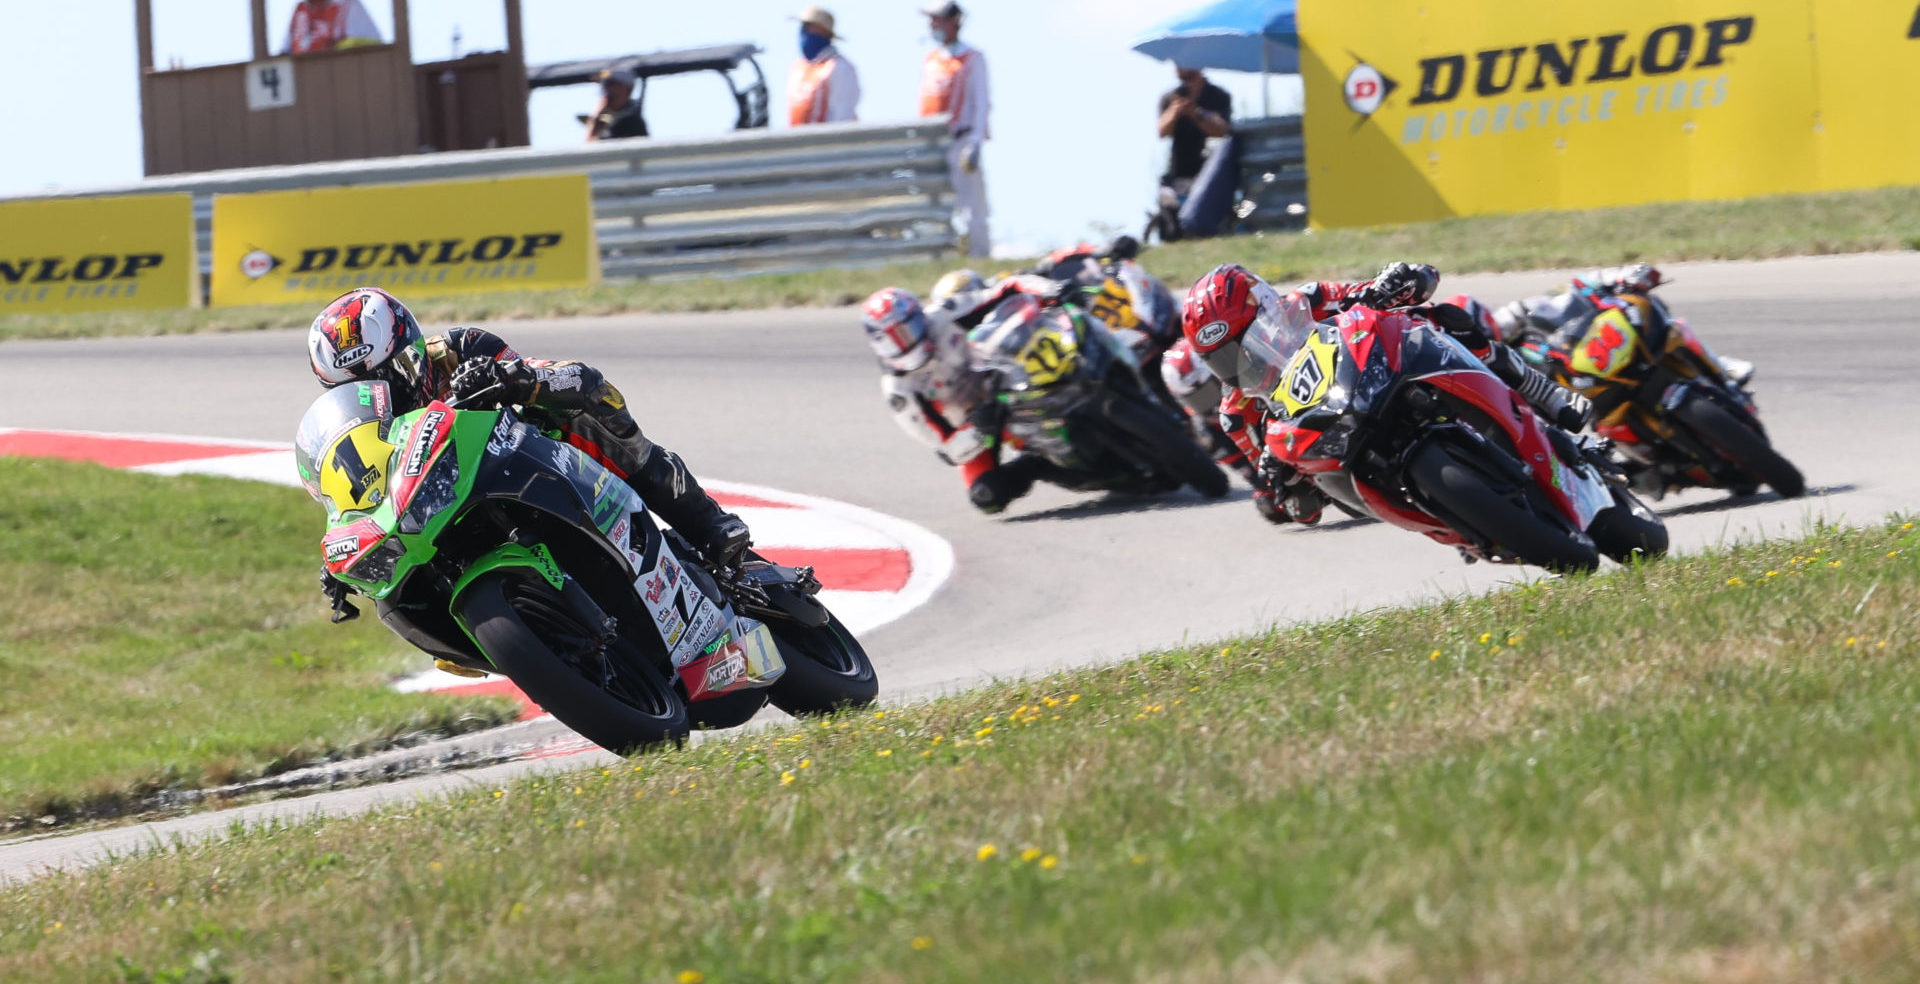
x: 1786, y: 225
x: 1701, y: 769
x: 168, y: 633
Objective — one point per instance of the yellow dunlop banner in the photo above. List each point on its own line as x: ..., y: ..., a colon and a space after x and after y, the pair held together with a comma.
x: 91, y: 254
x: 444, y: 237
x: 1465, y: 107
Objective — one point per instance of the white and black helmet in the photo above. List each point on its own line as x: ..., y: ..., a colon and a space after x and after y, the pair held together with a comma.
x: 367, y: 334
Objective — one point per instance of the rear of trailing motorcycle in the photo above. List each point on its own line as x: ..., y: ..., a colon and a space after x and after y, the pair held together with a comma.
x: 587, y: 677
x: 1740, y: 443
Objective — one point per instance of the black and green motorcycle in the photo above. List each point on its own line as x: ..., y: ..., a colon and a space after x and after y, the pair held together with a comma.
x: 497, y: 549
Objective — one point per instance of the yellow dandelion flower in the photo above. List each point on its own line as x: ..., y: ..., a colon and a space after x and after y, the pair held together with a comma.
x: 1513, y: 640
x: 806, y: 763
x: 1486, y: 637
x: 499, y: 793
x: 1833, y: 563
x: 1433, y: 655
x: 884, y: 753
x: 691, y: 977
x: 927, y: 754
x: 1734, y: 582
x: 877, y: 715
x: 1030, y: 853
x: 985, y: 853
x: 1073, y: 698
x: 638, y: 794
x: 937, y: 739
x: 786, y: 778
x: 579, y: 823
x: 1773, y: 573
x: 922, y: 943
x: 1049, y: 863
x: 1852, y: 639
x: 983, y: 732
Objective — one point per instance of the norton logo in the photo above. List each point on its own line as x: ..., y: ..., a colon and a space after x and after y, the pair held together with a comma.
x: 258, y: 263
x: 1211, y: 333
x: 425, y: 252
x: 1365, y: 88
x: 1601, y: 58
x: 351, y: 356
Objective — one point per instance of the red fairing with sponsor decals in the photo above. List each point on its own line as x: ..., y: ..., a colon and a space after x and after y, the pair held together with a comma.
x: 343, y: 546
x: 418, y: 452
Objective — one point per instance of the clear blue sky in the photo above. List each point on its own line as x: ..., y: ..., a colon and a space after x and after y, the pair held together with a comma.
x: 1061, y: 72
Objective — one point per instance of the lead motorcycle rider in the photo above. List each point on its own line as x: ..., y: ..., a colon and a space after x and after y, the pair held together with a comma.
x: 937, y: 395
x: 366, y: 334
x: 1221, y: 305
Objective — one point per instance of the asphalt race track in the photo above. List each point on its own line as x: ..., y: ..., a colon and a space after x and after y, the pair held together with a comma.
x: 789, y: 399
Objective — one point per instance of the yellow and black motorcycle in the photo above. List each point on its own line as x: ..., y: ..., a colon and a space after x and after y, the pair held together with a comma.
x: 1676, y: 419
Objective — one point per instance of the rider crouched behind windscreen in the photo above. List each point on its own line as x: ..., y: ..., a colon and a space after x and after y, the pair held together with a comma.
x: 1222, y: 305
x: 939, y: 397
x: 367, y: 334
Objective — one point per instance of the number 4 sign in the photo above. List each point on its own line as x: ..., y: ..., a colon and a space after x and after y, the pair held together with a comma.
x: 270, y: 84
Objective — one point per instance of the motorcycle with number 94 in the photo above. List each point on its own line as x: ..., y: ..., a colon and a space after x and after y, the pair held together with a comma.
x: 497, y: 549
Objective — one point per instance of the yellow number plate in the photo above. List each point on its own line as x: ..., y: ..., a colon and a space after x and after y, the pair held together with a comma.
x: 353, y: 473
x: 1047, y: 357
x: 1607, y: 347
x: 1308, y: 377
x: 1114, y: 306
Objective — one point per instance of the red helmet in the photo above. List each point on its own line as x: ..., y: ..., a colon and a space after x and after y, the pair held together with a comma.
x: 1219, y: 308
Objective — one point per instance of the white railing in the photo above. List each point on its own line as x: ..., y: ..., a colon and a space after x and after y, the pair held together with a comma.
x: 750, y: 201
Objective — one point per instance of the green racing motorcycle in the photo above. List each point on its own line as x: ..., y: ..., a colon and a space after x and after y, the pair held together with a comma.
x: 495, y: 548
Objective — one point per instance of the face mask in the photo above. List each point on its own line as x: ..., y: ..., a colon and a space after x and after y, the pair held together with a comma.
x: 812, y: 44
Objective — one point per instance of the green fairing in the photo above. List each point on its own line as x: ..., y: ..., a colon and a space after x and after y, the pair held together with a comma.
x: 468, y: 441
x: 506, y: 555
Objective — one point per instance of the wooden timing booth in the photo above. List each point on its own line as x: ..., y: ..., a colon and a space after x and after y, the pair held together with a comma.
x: 368, y: 100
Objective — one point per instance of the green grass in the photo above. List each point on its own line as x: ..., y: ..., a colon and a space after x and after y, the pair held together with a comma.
x: 1698, y: 770
x: 1787, y: 225
x: 169, y: 633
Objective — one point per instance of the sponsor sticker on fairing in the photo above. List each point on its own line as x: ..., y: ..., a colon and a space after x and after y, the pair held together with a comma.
x: 506, y: 437
x: 423, y: 442
x: 341, y: 548
x: 726, y: 669
x: 1210, y: 334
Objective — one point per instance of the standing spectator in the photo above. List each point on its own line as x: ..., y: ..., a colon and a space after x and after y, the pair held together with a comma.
x: 822, y: 86
x: 954, y: 82
x: 617, y: 115
x: 1195, y: 110
x: 322, y: 25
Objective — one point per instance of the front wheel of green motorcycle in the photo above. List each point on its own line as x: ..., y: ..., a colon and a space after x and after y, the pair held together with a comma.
x: 533, y: 638
x: 827, y: 669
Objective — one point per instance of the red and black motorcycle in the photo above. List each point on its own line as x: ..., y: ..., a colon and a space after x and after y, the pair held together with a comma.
x: 1393, y: 418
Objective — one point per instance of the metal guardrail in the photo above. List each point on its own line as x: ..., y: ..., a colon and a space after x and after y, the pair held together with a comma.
x: 749, y: 202
x: 1273, y: 174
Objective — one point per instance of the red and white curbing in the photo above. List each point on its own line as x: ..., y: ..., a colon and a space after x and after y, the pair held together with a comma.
x: 875, y: 567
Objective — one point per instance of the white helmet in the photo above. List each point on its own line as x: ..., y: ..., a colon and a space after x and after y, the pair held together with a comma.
x: 366, y: 333
x: 897, y: 329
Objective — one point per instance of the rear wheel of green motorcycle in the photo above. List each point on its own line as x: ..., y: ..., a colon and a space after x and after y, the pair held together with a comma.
x: 1745, y: 447
x: 1169, y: 443
x: 523, y: 626
x: 827, y: 669
x: 1464, y: 493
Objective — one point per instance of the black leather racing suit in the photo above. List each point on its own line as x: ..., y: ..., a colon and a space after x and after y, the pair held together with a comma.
x: 592, y: 416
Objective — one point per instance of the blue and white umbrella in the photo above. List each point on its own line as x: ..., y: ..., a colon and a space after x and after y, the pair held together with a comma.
x: 1236, y: 35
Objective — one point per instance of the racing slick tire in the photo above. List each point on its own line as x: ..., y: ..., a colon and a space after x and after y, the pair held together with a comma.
x: 1628, y: 529
x: 1462, y: 492
x: 827, y: 669
x: 523, y: 627
x: 1167, y: 441
x: 1745, y: 447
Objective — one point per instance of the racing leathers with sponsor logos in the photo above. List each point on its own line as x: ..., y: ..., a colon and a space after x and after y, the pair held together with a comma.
x: 368, y: 334
x: 937, y: 396
x: 1562, y: 316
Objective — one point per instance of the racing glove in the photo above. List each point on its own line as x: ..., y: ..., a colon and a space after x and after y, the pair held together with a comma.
x: 503, y: 382
x: 1402, y: 285
x: 337, y: 591
x: 727, y: 542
